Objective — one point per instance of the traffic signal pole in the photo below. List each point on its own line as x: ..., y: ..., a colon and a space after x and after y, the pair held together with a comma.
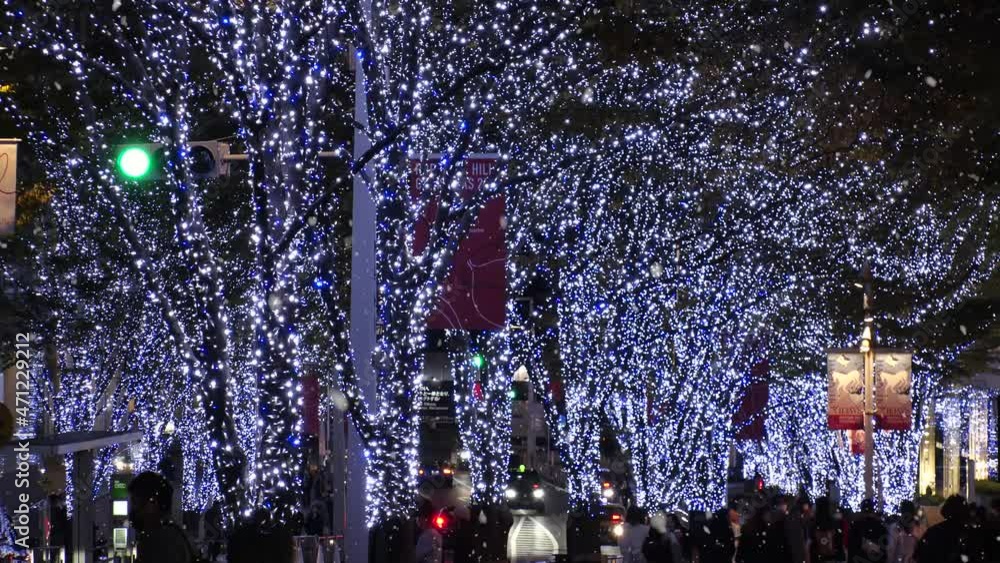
x: 244, y: 157
x: 362, y: 326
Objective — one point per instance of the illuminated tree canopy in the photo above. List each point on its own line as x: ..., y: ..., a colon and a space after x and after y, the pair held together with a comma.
x: 695, y: 186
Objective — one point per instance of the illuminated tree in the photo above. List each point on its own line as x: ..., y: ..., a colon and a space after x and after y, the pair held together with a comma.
x: 482, y: 371
x: 904, y: 123
x: 8, y: 540
x: 769, y: 177
x: 437, y: 78
x: 446, y: 79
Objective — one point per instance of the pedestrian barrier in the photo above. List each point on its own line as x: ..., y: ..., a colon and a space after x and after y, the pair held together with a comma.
x: 317, y: 549
x: 52, y: 554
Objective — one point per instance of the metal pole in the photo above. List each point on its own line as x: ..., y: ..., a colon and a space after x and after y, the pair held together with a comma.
x: 241, y: 157
x: 868, y: 348
x: 83, y: 507
x: 996, y: 416
x: 869, y: 425
x: 363, y: 314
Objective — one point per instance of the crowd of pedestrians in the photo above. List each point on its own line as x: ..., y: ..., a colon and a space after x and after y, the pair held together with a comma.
x: 160, y: 540
x: 780, y: 530
x: 788, y: 530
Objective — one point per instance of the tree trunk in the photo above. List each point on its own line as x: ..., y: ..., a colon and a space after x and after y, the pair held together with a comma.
x: 486, y: 539
x: 392, y: 541
x: 280, y: 442
x: 583, y: 531
x: 229, y: 462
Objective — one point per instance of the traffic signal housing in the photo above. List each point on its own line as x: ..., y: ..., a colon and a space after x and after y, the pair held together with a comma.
x: 134, y: 162
x: 146, y: 161
x: 478, y: 361
x: 441, y: 521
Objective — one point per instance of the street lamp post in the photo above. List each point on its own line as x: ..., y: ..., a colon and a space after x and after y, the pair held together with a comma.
x: 881, y: 374
x: 868, y: 349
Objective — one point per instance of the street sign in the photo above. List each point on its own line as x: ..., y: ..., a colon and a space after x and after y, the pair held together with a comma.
x: 119, y: 487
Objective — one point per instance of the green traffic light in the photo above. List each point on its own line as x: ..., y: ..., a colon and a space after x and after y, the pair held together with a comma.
x: 134, y: 162
x: 478, y: 361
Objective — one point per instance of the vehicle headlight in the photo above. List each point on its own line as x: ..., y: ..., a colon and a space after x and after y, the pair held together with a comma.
x: 618, y: 530
x: 538, y: 493
x: 608, y: 493
x: 511, y: 493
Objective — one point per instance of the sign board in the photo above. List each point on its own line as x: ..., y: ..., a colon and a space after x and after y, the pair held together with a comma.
x: 436, y: 398
x: 8, y: 185
x: 119, y: 487
x: 893, y: 403
x: 846, y: 390
x: 474, y: 296
x: 119, y: 538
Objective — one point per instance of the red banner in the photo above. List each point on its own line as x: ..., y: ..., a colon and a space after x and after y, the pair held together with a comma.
x: 846, y: 391
x: 474, y: 295
x: 749, y: 420
x: 857, y: 442
x: 310, y: 404
x: 893, y: 405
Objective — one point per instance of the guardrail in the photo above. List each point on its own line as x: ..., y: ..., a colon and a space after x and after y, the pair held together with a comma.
x: 317, y: 549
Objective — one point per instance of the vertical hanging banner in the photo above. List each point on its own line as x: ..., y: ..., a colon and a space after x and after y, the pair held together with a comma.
x: 310, y: 404
x: 8, y: 185
x: 751, y: 417
x: 893, y: 403
x: 857, y: 441
x: 474, y: 296
x: 846, y: 391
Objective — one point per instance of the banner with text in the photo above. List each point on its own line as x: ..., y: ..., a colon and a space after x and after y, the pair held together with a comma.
x: 474, y: 296
x: 846, y: 390
x: 8, y: 186
x: 893, y: 404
